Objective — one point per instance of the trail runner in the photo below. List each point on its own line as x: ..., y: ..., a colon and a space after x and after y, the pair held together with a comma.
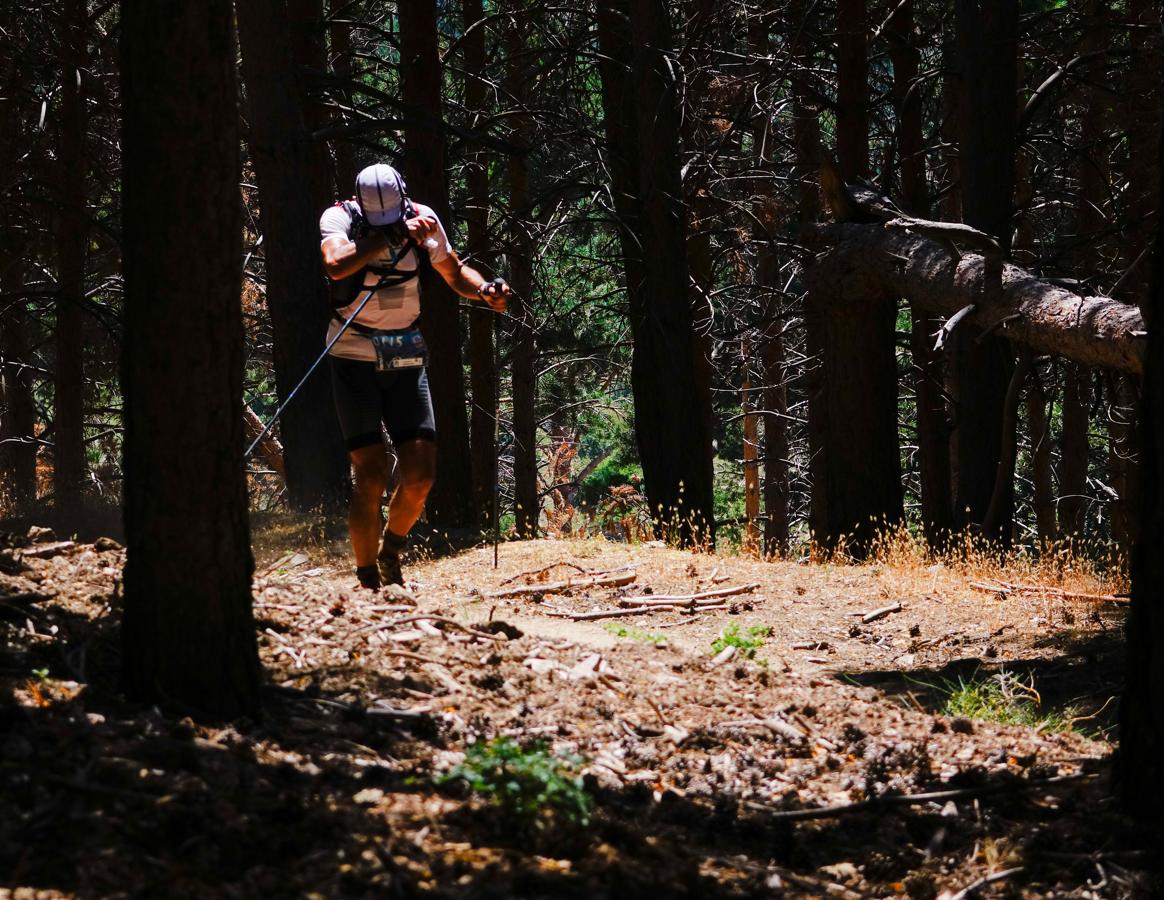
x: 381, y: 237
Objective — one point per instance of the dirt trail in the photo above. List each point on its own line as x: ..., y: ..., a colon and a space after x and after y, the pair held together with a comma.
x: 792, y: 772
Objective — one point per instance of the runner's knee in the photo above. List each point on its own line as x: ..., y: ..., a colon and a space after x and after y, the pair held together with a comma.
x: 371, y: 473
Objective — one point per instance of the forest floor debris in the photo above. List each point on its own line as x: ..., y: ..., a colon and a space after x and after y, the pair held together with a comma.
x: 834, y: 772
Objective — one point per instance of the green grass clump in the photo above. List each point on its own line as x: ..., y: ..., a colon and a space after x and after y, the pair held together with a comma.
x: 748, y: 642
x: 1004, y: 698
x: 635, y: 634
x: 528, y: 784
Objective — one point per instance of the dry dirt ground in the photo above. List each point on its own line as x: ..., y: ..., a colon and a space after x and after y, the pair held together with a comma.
x: 820, y: 766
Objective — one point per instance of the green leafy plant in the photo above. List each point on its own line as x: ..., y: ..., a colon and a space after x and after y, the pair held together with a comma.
x: 529, y: 784
x: 635, y: 634
x: 747, y: 643
x: 1004, y: 698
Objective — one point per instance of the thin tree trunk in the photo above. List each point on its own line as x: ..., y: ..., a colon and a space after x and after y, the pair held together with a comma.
x: 773, y: 359
x: 638, y: 89
x: 1074, y: 450
x: 520, y: 258
x: 1123, y: 456
x: 933, y: 433
x: 188, y: 630
x: 297, y: 297
x: 1141, y: 115
x: 988, y: 45
x: 806, y: 137
x: 17, y: 410
x: 751, y: 453
x: 1042, y: 474
x: 451, y: 500
x: 72, y: 239
x: 482, y: 370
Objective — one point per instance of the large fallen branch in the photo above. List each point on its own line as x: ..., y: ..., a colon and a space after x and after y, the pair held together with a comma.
x: 1093, y: 331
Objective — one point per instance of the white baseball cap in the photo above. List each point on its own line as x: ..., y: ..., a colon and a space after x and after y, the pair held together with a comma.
x: 380, y: 192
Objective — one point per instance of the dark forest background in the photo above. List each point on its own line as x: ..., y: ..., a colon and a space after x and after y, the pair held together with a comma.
x: 643, y: 181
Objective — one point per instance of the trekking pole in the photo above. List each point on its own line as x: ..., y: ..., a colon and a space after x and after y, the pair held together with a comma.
x: 315, y: 365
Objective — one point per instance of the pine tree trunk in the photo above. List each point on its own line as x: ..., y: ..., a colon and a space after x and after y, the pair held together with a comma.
x: 188, y: 630
x: 482, y: 370
x: 527, y: 505
x: 17, y: 410
x: 933, y: 433
x: 297, y: 297
x: 1074, y: 450
x: 852, y: 89
x: 451, y: 500
x: 642, y: 132
x: 346, y: 168
x: 1140, y: 761
x: 72, y: 238
x: 988, y: 45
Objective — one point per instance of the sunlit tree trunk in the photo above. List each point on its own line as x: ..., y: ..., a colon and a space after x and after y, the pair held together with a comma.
x: 188, y: 630
x: 520, y: 259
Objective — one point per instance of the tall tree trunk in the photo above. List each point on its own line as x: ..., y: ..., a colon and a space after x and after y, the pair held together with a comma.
x: 72, y: 238
x: 806, y: 138
x: 520, y: 258
x: 188, y: 631
x: 451, y: 501
x: 859, y: 363
x: 773, y: 359
x: 933, y: 433
x: 482, y: 370
x: 1123, y: 401
x: 17, y: 410
x: 751, y: 454
x: 1141, y: 114
x: 1140, y: 763
x: 297, y: 296
x: 1074, y: 450
x: 988, y: 46
x: 642, y: 133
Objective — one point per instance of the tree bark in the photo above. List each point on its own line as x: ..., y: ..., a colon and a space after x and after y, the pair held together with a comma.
x: 1074, y: 450
x: 72, y: 239
x: 527, y: 502
x: 933, y: 433
x: 341, y: 55
x: 859, y: 398
x: 1139, y: 771
x: 1093, y: 331
x: 988, y: 46
x: 188, y: 630
x: 297, y: 296
x: 673, y: 440
x: 309, y: 56
x: 1041, y: 470
x: 18, y: 412
x: 451, y: 500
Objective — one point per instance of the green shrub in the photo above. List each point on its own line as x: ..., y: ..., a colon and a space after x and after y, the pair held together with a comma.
x: 528, y: 784
x: 747, y: 643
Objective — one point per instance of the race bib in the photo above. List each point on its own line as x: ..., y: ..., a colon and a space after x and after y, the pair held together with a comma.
x: 398, y: 350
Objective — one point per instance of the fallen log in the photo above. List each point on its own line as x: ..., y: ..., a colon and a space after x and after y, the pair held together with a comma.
x: 1093, y: 331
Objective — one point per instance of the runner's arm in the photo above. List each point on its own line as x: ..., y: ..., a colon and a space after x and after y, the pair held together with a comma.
x: 343, y: 257
x: 468, y: 282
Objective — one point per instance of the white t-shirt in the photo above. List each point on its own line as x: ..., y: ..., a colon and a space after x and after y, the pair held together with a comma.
x: 391, y: 307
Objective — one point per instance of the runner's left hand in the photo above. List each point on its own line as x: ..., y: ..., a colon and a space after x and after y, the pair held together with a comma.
x: 495, y: 294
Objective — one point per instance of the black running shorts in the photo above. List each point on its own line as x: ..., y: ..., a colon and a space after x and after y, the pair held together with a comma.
x: 364, y: 398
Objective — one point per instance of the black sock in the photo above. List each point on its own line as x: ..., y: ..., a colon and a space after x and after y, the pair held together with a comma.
x: 369, y: 576
x: 393, y: 544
